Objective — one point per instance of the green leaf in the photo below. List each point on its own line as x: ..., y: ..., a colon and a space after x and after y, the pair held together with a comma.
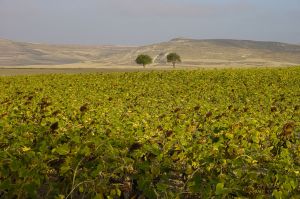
x: 219, y: 188
x: 293, y: 184
x: 162, y: 187
x: 62, y: 150
x: 64, y: 169
x: 76, y: 139
x: 119, y: 192
x: 277, y: 194
x: 60, y: 196
x: 99, y: 196
x: 81, y: 189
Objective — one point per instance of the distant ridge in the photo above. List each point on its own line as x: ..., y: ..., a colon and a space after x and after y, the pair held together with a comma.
x: 194, y: 52
x: 20, y: 53
x: 244, y: 43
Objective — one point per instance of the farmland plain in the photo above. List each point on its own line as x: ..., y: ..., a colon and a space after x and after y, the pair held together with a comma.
x: 151, y: 134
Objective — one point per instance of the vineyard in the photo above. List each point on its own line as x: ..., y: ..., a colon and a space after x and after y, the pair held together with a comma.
x: 227, y: 133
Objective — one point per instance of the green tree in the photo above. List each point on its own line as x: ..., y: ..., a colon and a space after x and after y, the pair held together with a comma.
x: 143, y: 59
x: 173, y: 58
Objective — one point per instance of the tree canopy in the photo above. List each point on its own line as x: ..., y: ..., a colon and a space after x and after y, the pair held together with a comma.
x: 173, y: 58
x: 143, y: 60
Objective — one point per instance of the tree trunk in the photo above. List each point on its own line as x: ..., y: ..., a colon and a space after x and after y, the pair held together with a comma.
x: 174, y: 64
x: 143, y: 65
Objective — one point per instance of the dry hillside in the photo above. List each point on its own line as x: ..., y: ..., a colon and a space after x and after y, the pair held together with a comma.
x: 193, y: 53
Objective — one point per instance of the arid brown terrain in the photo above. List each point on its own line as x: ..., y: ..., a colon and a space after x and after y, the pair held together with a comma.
x: 194, y: 53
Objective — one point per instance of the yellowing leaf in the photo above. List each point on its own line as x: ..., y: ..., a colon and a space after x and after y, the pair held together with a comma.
x: 25, y: 148
x: 99, y: 196
x: 219, y: 188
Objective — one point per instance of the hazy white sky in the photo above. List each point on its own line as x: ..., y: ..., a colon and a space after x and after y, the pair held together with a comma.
x: 139, y: 22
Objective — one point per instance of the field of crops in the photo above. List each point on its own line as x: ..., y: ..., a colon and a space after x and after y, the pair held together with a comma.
x: 177, y: 134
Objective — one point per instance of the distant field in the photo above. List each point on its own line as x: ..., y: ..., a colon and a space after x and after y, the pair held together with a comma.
x: 227, y: 133
x: 82, y: 68
x: 33, y: 71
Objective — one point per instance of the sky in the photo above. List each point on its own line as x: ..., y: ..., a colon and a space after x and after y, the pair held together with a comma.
x: 140, y: 22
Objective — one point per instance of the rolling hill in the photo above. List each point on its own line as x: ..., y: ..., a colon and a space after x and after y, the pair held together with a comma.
x: 213, y: 52
x: 21, y: 54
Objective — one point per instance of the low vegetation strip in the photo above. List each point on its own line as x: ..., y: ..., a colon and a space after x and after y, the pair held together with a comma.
x: 161, y: 134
